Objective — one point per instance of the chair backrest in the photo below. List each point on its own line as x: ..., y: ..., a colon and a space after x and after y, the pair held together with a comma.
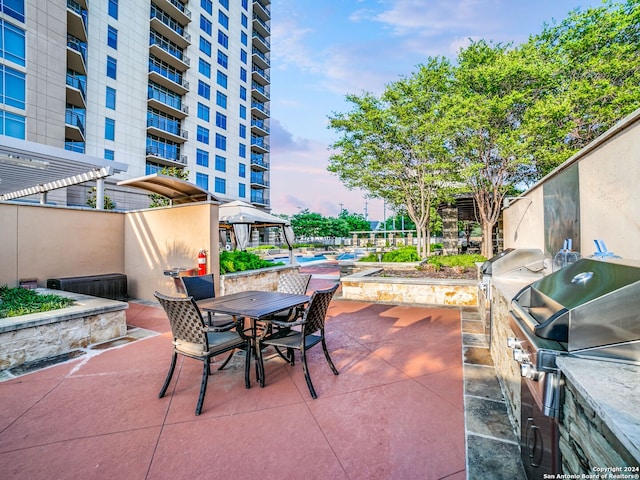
x: 316, y: 311
x: 200, y: 287
x: 296, y: 283
x: 185, y: 318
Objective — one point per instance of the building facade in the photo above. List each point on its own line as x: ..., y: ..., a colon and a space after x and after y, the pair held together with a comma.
x: 151, y: 84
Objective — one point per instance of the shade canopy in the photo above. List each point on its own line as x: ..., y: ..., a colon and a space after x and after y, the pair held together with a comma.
x: 178, y: 191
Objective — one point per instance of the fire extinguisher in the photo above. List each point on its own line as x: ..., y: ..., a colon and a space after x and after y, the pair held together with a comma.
x: 202, y: 262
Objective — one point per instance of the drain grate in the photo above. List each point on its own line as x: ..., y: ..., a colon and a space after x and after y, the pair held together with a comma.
x: 113, y: 343
x: 29, y: 367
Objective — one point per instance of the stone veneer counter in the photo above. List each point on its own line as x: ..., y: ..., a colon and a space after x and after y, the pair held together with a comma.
x: 604, y: 410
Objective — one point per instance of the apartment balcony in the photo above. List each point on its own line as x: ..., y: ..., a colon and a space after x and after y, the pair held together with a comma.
x: 167, y: 76
x: 77, y: 18
x: 260, y: 75
x: 76, y: 55
x: 258, y: 180
x: 261, y: 26
x: 260, y: 93
x: 260, y: 59
x: 261, y: 8
x: 167, y: 104
x: 258, y: 197
x: 74, y: 126
x: 259, y: 109
x: 176, y: 9
x: 165, y: 25
x: 165, y: 157
x: 167, y: 129
x: 260, y: 42
x: 259, y: 144
x: 259, y: 126
x: 76, y: 91
x: 168, y: 52
x: 259, y: 161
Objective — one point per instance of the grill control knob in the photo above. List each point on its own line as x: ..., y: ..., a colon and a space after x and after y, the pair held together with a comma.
x: 520, y: 356
x: 513, y: 342
x: 529, y: 371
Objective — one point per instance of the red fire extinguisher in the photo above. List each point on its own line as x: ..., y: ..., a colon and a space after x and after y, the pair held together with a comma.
x: 202, y: 262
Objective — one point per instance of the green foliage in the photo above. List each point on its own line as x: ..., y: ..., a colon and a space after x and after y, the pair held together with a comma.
x: 158, y: 200
x: 239, y: 261
x: 21, y: 301
x: 262, y: 247
x: 455, y: 261
x: 310, y: 224
x: 109, y: 204
x: 402, y: 254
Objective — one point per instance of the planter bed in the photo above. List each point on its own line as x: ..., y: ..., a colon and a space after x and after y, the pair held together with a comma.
x: 365, y: 286
x: 37, y: 336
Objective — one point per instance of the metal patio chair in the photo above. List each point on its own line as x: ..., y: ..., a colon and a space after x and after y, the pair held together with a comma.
x: 310, y: 334
x: 193, y: 339
x: 200, y: 288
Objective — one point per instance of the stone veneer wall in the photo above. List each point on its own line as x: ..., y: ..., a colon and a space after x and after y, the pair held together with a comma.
x: 41, y: 335
x: 265, y: 279
x: 361, y: 286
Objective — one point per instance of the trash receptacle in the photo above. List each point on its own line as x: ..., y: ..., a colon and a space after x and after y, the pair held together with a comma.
x: 176, y: 274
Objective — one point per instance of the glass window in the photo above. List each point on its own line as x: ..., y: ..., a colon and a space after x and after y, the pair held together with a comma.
x: 202, y: 158
x: 12, y: 43
x: 220, y: 185
x: 204, y: 68
x: 109, y: 129
x: 203, y: 112
x: 12, y: 87
x: 242, y: 190
x: 244, y: 20
x: 12, y: 125
x: 243, y: 74
x: 109, y: 154
x: 202, y: 180
x: 223, y: 59
x: 112, y: 37
x: 204, y: 90
x: 207, y: 6
x: 205, y: 46
x: 222, y: 79
x: 245, y: 4
x: 223, y: 19
x: 113, y: 8
x: 243, y: 93
x: 110, y: 101
x: 221, y: 163
x: 225, y: 3
x: 205, y: 25
x: 13, y: 8
x: 202, y: 134
x: 244, y: 38
x: 242, y: 170
x: 221, y: 120
x: 223, y: 39
x: 221, y: 99
x: 112, y: 67
x: 243, y: 131
x: 242, y: 150
x: 221, y: 142
x: 243, y: 112
x: 243, y: 56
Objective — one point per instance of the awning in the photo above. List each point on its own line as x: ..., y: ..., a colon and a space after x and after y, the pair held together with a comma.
x: 176, y: 190
x: 28, y: 168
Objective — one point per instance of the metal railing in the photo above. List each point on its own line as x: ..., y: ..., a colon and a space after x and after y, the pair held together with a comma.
x: 169, y: 22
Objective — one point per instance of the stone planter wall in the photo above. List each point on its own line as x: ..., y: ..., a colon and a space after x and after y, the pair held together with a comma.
x: 41, y: 335
x: 263, y: 279
x: 362, y: 286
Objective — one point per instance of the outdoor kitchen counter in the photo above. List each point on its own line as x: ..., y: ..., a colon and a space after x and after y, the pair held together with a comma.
x: 612, y: 391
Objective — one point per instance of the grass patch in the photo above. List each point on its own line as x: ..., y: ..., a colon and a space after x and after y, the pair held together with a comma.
x: 21, y: 301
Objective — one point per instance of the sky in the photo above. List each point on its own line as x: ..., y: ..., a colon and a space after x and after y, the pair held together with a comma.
x: 323, y: 50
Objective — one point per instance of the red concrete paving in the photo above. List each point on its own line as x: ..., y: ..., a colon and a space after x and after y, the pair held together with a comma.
x: 394, y: 412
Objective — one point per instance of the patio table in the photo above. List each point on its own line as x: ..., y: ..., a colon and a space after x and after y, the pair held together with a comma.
x: 254, y: 305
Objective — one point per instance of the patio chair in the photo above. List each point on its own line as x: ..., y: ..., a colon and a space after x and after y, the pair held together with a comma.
x: 200, y: 288
x: 296, y: 283
x: 310, y: 334
x: 192, y: 339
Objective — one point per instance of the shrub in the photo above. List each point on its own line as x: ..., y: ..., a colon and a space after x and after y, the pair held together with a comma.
x: 458, y: 261
x: 239, y: 261
x: 402, y: 254
x: 20, y: 301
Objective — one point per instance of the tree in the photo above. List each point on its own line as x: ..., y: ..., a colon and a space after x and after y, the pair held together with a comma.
x: 393, y: 146
x: 355, y: 221
x: 109, y: 204
x: 158, y: 200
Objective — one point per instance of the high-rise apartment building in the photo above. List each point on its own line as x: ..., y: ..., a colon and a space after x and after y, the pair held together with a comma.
x: 147, y: 83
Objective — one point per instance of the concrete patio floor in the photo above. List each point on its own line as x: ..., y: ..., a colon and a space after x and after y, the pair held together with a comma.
x: 396, y: 411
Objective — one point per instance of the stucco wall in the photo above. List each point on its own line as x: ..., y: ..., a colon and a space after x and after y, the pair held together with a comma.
x: 609, y: 183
